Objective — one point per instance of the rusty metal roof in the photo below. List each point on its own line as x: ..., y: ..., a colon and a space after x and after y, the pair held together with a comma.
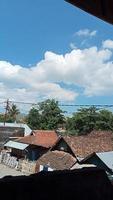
x: 102, y: 9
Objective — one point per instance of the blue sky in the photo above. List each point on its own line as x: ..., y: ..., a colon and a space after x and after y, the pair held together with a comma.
x: 51, y: 49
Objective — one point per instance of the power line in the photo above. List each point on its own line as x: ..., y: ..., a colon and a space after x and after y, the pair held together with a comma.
x: 62, y: 105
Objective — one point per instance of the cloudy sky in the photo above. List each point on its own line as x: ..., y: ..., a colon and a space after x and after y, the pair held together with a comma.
x: 50, y: 49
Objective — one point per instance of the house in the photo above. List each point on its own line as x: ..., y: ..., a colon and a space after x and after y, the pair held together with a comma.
x: 40, y: 138
x: 38, y: 144
x: 16, y: 149
x: 27, y: 130
x: 12, y: 131
x: 62, y: 145
x: 96, y: 141
x: 103, y: 160
x: 25, y: 151
x: 57, y: 160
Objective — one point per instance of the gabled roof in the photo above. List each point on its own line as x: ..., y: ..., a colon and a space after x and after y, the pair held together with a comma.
x: 97, y: 141
x: 57, y: 160
x: 16, y: 145
x: 105, y: 157
x: 102, y: 9
x: 58, y: 142
x: 40, y: 138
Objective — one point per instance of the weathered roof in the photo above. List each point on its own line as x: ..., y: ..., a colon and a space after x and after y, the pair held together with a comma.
x: 97, y: 141
x: 40, y: 138
x: 18, y: 125
x: 57, y: 160
x: 16, y: 145
x: 58, y: 146
x: 102, y: 9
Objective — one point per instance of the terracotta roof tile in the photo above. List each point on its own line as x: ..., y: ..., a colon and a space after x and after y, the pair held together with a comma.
x: 41, y: 138
x: 97, y: 141
x: 57, y: 160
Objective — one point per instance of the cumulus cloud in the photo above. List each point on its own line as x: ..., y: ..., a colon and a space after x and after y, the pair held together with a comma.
x: 89, y: 68
x: 30, y: 84
x: 72, y: 46
x: 86, y: 33
x: 108, y: 44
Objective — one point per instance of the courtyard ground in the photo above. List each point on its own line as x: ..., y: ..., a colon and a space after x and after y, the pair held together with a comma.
x: 6, y: 171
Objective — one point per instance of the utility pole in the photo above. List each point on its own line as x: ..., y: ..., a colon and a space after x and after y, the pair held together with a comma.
x: 6, y: 110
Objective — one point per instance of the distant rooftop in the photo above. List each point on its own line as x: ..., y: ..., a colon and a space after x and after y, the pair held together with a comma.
x: 40, y: 138
x: 18, y: 125
x: 96, y: 141
x: 16, y: 145
x: 57, y: 160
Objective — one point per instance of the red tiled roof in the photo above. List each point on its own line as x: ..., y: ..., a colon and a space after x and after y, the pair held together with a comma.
x: 97, y: 141
x: 40, y: 138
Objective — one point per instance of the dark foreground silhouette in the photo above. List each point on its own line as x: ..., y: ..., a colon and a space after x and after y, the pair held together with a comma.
x: 85, y: 184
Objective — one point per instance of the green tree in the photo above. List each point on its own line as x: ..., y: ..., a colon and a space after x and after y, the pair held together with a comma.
x: 33, y: 119
x: 83, y: 121
x: 87, y: 119
x: 12, y: 113
x: 2, y: 117
x: 51, y: 114
x: 48, y: 115
x: 105, y: 120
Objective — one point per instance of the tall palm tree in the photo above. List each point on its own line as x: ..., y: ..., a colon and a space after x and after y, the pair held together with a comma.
x: 13, y: 112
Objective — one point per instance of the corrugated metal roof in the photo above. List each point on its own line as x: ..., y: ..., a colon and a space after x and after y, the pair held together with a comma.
x: 16, y: 145
x: 107, y: 158
x: 18, y: 125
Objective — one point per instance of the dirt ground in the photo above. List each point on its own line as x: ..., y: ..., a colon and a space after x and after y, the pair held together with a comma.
x: 6, y: 171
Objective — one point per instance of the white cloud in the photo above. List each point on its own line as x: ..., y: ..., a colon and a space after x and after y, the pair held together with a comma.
x: 72, y: 46
x: 86, y: 33
x: 108, y: 44
x: 90, y: 68
x: 29, y: 84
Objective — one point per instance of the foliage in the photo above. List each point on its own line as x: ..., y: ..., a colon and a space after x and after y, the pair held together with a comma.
x: 87, y: 119
x: 48, y: 115
x: 11, y: 115
x: 13, y: 112
x: 33, y: 118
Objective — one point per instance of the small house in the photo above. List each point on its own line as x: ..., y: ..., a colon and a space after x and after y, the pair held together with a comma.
x: 23, y: 150
x: 103, y: 160
x: 56, y: 160
x: 62, y: 145
x: 38, y: 143
x: 11, y: 131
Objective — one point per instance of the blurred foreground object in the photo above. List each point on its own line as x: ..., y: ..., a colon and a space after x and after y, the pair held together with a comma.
x: 102, y: 9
